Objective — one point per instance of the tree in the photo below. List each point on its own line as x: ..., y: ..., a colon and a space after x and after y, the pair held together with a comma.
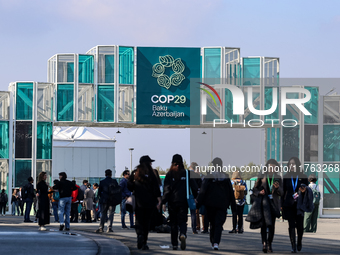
x: 160, y: 170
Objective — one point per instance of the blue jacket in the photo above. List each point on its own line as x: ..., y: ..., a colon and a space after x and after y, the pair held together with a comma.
x: 123, y: 186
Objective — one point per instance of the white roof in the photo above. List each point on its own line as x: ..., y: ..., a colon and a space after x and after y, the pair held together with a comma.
x: 81, y: 137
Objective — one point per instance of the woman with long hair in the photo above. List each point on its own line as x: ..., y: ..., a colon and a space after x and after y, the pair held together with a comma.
x: 267, y: 190
x: 144, y: 185
x: 175, y: 194
x: 240, y: 192
x: 43, y: 201
x: 14, y: 201
x: 295, y: 184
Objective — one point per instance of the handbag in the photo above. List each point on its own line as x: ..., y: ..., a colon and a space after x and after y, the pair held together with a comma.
x: 130, y: 203
x: 190, y: 197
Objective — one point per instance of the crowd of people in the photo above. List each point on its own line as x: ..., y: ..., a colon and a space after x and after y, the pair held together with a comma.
x: 142, y: 194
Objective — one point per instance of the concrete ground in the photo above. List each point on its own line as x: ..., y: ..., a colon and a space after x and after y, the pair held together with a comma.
x: 325, y: 241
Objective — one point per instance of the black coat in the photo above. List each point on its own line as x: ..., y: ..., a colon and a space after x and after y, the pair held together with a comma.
x: 175, y: 187
x: 259, y: 211
x: 217, y: 193
x: 44, y: 204
x: 29, y: 191
x: 103, y: 191
x: 65, y: 188
x: 287, y: 198
x: 147, y: 191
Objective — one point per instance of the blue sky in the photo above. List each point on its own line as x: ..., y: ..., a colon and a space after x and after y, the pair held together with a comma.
x: 305, y: 36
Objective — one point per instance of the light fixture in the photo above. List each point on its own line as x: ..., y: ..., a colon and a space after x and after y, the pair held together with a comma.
x: 118, y: 132
x: 204, y: 133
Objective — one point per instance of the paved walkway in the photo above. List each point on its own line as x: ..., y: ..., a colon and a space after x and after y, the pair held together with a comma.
x: 325, y: 241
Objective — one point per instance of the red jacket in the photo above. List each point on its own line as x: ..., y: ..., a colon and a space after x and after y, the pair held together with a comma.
x: 75, y: 194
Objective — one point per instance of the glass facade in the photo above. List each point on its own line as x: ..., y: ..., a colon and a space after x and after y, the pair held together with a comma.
x: 331, y: 185
x: 65, y: 102
x: 44, y: 140
x: 312, y: 106
x: 331, y: 109
x: 331, y: 143
x: 248, y: 115
x: 44, y: 102
x: 4, y: 174
x: 311, y: 143
x: 290, y: 142
x: 251, y: 71
x: 268, y: 102
x: 4, y: 105
x: 212, y: 64
x: 85, y: 69
x: 24, y: 99
x: 23, y: 170
x: 44, y: 166
x: 85, y: 102
x: 65, y: 68
x: 126, y: 103
x: 23, y: 139
x: 105, y: 103
x: 106, y: 64
x: 4, y: 139
x: 126, y: 65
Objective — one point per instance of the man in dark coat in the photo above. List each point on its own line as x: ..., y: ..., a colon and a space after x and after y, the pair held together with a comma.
x: 28, y: 195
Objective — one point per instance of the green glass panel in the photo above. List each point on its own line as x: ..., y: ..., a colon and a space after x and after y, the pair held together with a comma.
x: 105, y: 105
x: 4, y: 139
x: 312, y: 106
x: 44, y: 140
x: 126, y: 64
x: 251, y: 71
x: 268, y: 102
x: 212, y: 64
x: 109, y: 68
x: 331, y: 184
x: 65, y: 101
x: 331, y: 143
x: 291, y: 142
x: 24, y: 101
x: 85, y: 69
x: 292, y: 112
x: 70, y: 72
x: 23, y: 139
x: 228, y: 103
x: 23, y: 170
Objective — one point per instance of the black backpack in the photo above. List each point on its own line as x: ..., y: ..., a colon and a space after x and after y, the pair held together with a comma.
x: 80, y: 195
x: 3, y: 198
x: 114, y: 193
x: 24, y: 192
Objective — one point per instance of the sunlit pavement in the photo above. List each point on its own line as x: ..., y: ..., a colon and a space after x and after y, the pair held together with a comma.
x: 17, y: 237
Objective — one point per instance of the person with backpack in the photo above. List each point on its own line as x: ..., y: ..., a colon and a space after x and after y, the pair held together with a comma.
x: 3, y: 202
x: 217, y: 195
x: 126, y: 193
x: 145, y: 187
x: 65, y: 188
x: 109, y: 196
x: 176, y: 182
x: 295, y: 184
x: 267, y: 204
x: 28, y: 196
x: 240, y: 192
x: 54, y: 197
x: 75, y: 203
x: 311, y: 218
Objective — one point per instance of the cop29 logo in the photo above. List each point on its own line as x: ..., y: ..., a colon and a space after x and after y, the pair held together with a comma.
x: 175, y: 79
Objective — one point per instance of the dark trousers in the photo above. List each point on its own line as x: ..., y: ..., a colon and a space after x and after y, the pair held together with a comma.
x: 271, y: 230
x: 55, y: 210
x: 88, y: 216
x: 239, y: 214
x: 2, y: 207
x: 143, y: 220
x: 28, y: 209
x: 217, y: 217
x: 297, y: 222
x: 193, y: 220
x: 178, y: 218
x: 107, y: 209
x: 74, y: 212
x: 311, y: 219
x: 21, y: 207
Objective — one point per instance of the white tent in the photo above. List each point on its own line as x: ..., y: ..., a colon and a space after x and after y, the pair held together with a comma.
x: 82, y: 153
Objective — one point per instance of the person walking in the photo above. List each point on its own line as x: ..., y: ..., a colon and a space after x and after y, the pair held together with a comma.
x: 217, y: 195
x: 20, y: 202
x: 44, y: 202
x: 311, y: 219
x: 74, y: 203
x: 28, y: 196
x: 175, y: 194
x: 240, y: 192
x: 266, y: 207
x: 3, y: 202
x: 144, y: 185
x: 88, y: 202
x: 294, y: 186
x: 54, y: 197
x: 95, y: 202
x: 81, y: 193
x: 195, y: 219
x: 108, y: 192
x: 14, y: 202
x: 126, y: 193
x: 65, y: 188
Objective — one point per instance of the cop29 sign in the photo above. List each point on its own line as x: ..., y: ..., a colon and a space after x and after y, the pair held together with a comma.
x: 163, y: 84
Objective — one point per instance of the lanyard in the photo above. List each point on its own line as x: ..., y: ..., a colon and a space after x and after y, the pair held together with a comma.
x: 270, y: 183
x: 296, y: 182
